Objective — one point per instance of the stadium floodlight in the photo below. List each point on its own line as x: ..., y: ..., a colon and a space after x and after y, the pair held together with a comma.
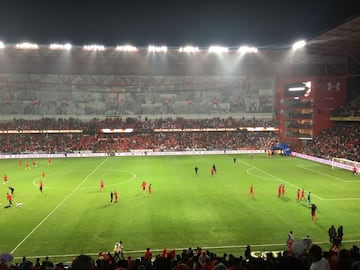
x: 2, y: 45
x: 299, y: 44
x: 126, y: 48
x: 247, y: 49
x: 153, y: 48
x: 218, y: 49
x: 56, y: 46
x: 94, y: 47
x: 27, y: 46
x: 189, y: 49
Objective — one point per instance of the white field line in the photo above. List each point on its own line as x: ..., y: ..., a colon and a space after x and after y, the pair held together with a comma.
x: 327, y: 175
x: 278, y: 179
x: 185, y: 248
x: 60, y: 204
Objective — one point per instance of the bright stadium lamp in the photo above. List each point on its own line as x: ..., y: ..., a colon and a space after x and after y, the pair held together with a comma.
x: 218, y: 49
x: 56, y: 46
x: 153, y: 48
x: 94, y: 47
x: 27, y: 46
x: 299, y: 44
x: 2, y: 45
x: 189, y: 49
x: 126, y: 48
x: 247, y: 49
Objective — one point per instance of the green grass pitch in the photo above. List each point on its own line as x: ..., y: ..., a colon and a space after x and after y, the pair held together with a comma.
x: 73, y: 216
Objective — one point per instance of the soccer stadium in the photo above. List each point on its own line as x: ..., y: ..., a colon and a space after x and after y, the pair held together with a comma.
x: 181, y: 158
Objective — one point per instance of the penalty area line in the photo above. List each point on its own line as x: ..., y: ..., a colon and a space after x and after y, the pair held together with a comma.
x: 60, y: 204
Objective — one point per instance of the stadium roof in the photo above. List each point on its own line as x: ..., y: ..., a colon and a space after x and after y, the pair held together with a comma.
x: 343, y: 40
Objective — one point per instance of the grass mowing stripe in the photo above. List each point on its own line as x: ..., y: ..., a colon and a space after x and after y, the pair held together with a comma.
x: 327, y: 175
x: 60, y: 204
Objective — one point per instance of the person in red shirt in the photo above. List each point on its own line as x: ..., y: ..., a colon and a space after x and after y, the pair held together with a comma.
x: 143, y: 185
x: 302, y: 197
x: 33, y: 163
x: 251, y: 193
x: 43, y: 175
x: 41, y: 186
x: 298, y: 195
x: 102, y: 184
x: 354, y: 171
x: 9, y: 198
x: 212, y: 171
x: 5, y: 178
x: 282, y: 190
x: 279, y: 191
x: 148, y: 255
x: 150, y: 189
x: 27, y: 165
x: 116, y: 196
x: 19, y: 163
x: 49, y: 161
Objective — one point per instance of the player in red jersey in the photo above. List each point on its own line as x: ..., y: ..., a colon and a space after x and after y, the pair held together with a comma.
x: 9, y: 198
x: 5, y: 178
x: 298, y: 195
x: 102, y: 184
x: 279, y: 191
x: 19, y: 163
x: 49, y: 161
x: 116, y: 196
x: 212, y: 170
x: 354, y: 171
x: 302, y: 196
x: 251, y: 192
x: 27, y: 165
x: 150, y: 189
x: 282, y: 190
x: 43, y: 175
x: 143, y: 186
x: 41, y: 186
x: 34, y: 163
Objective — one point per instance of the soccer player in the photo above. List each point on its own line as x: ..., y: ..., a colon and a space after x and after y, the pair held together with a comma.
x: 283, y: 190
x: 102, y: 184
x: 309, y: 198
x: 111, y: 196
x: 279, y: 190
x: 5, y: 179
x: 27, y: 165
x: 43, y: 175
x: 214, y: 168
x: 9, y: 198
x: 251, y: 192
x: 196, y: 170
x: 234, y: 160
x: 12, y: 190
x: 41, y: 186
x: 49, y: 161
x: 302, y: 197
x: 298, y: 193
x: 143, y: 186
x: 116, y: 195
x: 354, y: 171
x: 313, y: 212
x: 19, y: 163
x: 150, y: 189
x: 33, y: 163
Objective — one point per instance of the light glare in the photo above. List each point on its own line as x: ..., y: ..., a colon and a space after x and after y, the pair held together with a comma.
x: 126, y: 48
x: 189, y: 49
x: 299, y: 44
x: 153, y: 48
x: 94, y: 47
x: 218, y: 49
x: 27, y: 46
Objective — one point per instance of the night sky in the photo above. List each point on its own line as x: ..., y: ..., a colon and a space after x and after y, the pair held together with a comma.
x: 173, y: 23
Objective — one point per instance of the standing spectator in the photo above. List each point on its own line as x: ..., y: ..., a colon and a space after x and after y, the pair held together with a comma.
x: 307, y: 242
x: 318, y: 261
x: 121, y: 250
x: 340, y: 233
x: 289, y: 241
x: 148, y: 255
x: 83, y: 262
x: 332, y: 233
